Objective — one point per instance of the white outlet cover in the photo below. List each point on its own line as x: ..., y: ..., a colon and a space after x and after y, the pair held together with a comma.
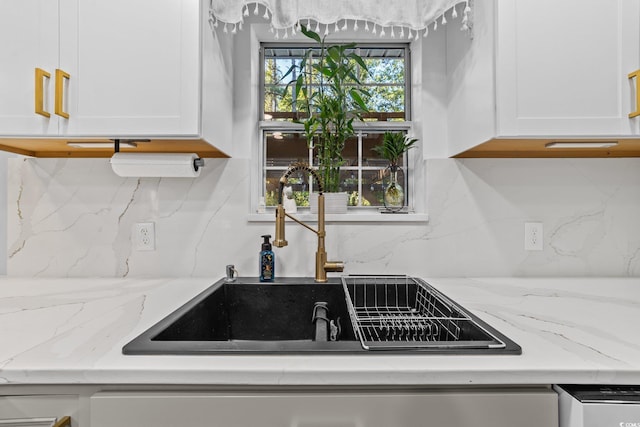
x: 144, y: 236
x: 533, y: 233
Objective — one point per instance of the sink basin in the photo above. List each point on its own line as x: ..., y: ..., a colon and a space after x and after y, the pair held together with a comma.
x: 246, y: 316
x: 250, y: 316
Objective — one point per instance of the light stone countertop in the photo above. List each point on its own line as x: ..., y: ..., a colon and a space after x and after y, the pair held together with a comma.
x: 71, y: 331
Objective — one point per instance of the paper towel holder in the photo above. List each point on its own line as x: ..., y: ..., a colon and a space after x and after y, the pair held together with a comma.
x: 198, y: 163
x: 156, y: 165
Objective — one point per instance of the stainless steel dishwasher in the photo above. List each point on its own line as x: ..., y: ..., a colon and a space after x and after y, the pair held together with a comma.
x: 599, y: 405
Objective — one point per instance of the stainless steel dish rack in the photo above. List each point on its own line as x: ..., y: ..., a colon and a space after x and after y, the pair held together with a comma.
x: 401, y: 312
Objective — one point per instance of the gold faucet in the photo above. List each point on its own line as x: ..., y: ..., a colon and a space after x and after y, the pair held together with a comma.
x: 322, y: 265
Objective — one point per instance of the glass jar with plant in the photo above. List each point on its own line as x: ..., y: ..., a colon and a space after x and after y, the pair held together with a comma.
x: 330, y: 97
x: 392, y: 148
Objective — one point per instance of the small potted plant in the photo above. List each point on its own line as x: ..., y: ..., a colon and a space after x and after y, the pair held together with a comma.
x: 393, y: 147
x: 330, y: 97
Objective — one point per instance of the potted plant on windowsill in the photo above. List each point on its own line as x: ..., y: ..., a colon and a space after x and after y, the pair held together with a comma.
x: 330, y: 97
x: 393, y: 147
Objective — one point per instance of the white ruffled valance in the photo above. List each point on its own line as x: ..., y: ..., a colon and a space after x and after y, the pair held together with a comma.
x: 402, y: 18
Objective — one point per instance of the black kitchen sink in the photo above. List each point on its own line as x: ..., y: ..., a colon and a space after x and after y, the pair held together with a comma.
x: 297, y: 315
x: 249, y: 316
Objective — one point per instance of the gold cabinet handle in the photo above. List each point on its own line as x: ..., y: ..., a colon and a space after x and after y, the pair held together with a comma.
x: 60, y: 76
x: 636, y: 74
x: 40, y: 76
x: 63, y: 422
x: 53, y: 422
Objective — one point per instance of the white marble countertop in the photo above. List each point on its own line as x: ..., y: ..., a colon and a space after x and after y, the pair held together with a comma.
x: 71, y: 331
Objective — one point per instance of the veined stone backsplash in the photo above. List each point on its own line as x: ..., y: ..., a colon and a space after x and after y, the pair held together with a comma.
x: 74, y: 217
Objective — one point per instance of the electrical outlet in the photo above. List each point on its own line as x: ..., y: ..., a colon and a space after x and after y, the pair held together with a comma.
x: 533, y: 236
x: 144, y: 236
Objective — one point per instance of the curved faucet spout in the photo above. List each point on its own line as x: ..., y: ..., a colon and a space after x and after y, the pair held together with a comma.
x: 294, y: 168
x: 322, y: 265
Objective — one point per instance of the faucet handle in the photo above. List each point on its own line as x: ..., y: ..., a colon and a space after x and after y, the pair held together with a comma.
x: 334, y: 266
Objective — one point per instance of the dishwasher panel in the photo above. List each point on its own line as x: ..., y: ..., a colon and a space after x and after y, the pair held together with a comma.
x: 599, y: 405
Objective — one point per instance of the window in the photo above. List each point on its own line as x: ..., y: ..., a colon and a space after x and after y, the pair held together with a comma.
x: 364, y: 174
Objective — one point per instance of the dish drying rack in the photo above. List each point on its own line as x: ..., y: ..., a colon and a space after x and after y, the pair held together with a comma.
x: 401, y: 312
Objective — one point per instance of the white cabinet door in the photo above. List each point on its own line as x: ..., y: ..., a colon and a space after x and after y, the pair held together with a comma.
x: 30, y: 408
x: 538, y: 70
x: 562, y: 67
x: 133, y: 65
x: 29, y: 34
x: 533, y: 408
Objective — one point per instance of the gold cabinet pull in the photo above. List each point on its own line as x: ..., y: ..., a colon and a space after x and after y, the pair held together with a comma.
x: 40, y: 76
x: 60, y: 76
x: 636, y: 74
x: 37, y: 421
x: 63, y: 422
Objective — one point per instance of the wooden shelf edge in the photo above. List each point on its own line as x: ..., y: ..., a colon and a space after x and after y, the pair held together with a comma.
x: 536, y: 148
x: 58, y: 148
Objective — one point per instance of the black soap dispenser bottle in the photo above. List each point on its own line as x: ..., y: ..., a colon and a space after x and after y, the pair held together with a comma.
x: 267, y: 261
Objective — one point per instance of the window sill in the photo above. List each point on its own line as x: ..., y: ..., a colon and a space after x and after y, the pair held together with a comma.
x: 269, y: 216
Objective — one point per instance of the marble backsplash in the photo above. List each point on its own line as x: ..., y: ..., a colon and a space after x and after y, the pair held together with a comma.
x: 74, y: 217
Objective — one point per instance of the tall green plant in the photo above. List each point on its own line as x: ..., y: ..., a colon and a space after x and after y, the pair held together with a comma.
x: 330, y: 95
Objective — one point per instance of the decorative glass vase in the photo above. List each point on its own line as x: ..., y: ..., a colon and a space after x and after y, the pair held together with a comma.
x: 393, y: 192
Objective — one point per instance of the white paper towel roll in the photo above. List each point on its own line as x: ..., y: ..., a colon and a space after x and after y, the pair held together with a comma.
x: 155, y: 165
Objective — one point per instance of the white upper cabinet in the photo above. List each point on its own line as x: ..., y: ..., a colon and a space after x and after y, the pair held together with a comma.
x: 126, y: 68
x: 562, y: 66
x: 29, y: 34
x: 134, y: 67
x: 544, y: 69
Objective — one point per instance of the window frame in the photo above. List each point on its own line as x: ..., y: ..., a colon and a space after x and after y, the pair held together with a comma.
x: 266, y: 126
x: 367, y: 127
x: 387, y: 45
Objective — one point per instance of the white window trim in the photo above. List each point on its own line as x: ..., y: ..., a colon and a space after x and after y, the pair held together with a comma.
x: 355, y: 214
x: 352, y: 216
x: 363, y: 215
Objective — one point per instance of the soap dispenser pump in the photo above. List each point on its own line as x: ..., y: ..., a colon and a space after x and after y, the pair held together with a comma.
x: 267, y: 260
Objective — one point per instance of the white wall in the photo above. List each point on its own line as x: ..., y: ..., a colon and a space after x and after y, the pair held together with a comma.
x: 73, y: 217
x: 217, y: 87
x: 3, y: 212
